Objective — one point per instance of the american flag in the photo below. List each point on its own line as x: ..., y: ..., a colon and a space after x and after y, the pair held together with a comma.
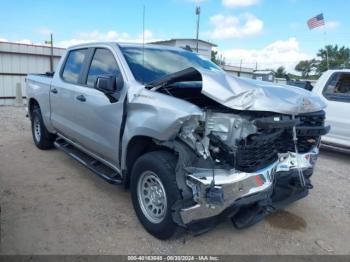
x: 316, y: 21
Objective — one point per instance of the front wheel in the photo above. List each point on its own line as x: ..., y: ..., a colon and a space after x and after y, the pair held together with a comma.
x: 154, y: 191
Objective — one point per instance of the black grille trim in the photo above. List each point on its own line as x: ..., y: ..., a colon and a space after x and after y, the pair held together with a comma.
x: 260, y: 150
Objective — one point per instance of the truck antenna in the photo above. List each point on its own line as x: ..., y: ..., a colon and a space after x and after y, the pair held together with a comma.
x: 143, y: 42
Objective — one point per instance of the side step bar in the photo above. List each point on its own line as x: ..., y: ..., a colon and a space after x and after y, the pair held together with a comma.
x: 103, y: 171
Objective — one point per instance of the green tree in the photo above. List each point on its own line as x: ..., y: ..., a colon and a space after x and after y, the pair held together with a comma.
x: 217, y: 60
x: 305, y: 67
x: 280, y: 72
x: 337, y: 57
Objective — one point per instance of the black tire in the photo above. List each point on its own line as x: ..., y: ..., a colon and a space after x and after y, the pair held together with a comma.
x: 162, y: 164
x: 45, y: 140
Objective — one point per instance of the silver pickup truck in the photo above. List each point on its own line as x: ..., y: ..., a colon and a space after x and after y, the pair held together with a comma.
x: 194, y: 144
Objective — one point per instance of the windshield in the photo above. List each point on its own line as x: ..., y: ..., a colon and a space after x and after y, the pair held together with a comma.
x: 157, y: 62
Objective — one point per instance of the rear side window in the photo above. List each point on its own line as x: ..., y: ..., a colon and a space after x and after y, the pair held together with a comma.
x: 338, y: 87
x: 103, y: 63
x: 74, y: 65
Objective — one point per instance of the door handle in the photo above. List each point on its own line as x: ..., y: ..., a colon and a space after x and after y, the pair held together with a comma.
x: 81, y: 98
x: 54, y: 90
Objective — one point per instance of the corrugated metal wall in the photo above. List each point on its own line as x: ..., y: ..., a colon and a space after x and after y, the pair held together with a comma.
x: 18, y: 60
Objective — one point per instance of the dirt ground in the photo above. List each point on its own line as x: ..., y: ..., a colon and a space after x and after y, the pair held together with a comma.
x: 50, y: 204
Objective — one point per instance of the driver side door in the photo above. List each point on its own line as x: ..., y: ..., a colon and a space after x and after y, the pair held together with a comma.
x: 96, y: 118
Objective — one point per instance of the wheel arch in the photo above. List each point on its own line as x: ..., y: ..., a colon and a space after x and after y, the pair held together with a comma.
x: 138, y: 146
x: 32, y: 104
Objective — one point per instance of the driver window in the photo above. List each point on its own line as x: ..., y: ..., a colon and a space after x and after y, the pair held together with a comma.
x: 338, y: 87
x: 103, y: 63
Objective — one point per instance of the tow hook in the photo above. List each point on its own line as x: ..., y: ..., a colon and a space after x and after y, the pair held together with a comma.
x: 215, y: 195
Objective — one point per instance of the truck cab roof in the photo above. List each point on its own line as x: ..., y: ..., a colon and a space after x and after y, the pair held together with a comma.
x: 123, y: 44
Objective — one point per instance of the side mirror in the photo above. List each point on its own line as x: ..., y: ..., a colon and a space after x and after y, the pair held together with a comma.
x: 106, y: 84
x: 111, y: 86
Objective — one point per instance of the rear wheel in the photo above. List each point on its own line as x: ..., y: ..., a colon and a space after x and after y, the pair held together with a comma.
x: 41, y: 136
x: 154, y: 191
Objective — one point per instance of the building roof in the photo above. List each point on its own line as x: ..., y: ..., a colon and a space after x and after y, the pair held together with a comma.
x: 188, y: 39
x: 29, y: 49
x: 232, y: 68
x: 263, y: 72
x: 33, y: 45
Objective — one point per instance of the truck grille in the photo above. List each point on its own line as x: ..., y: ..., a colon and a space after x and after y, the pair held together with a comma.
x: 310, y: 127
x: 250, y: 158
x: 260, y: 150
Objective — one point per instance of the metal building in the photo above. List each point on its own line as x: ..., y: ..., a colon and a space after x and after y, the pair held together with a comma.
x: 264, y: 75
x: 239, y: 71
x: 204, y: 47
x: 18, y: 60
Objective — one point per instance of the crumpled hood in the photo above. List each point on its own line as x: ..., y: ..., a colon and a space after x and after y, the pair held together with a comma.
x: 248, y: 94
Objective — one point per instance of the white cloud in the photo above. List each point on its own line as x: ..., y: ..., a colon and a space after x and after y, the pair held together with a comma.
x: 22, y: 41
x: 95, y: 36
x: 332, y: 24
x: 239, y: 3
x: 234, y: 26
x: 25, y: 41
x: 279, y: 53
x: 45, y: 31
x: 148, y: 34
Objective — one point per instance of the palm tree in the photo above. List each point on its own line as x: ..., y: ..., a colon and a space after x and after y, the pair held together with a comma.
x: 337, y: 57
x: 280, y: 72
x: 306, y: 67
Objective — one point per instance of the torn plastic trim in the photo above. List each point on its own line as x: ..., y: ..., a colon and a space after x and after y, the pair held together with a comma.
x: 186, y: 157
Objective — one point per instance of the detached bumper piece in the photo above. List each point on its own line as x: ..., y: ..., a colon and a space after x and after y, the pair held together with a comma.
x: 285, y: 192
x: 244, y: 197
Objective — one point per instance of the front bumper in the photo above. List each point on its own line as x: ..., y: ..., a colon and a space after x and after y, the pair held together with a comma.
x: 240, y: 187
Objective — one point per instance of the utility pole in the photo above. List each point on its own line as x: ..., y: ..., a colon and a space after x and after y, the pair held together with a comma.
x: 51, y: 57
x: 198, y: 13
x: 143, y: 42
x: 240, y: 67
x: 51, y: 52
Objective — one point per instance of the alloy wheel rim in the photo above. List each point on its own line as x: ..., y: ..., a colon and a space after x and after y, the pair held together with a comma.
x: 152, y: 197
x: 37, y: 131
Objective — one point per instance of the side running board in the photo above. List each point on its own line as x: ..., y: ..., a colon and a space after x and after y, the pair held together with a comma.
x: 100, y: 169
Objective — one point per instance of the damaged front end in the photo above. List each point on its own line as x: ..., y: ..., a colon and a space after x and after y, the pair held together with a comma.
x: 248, y: 165
x: 242, y: 164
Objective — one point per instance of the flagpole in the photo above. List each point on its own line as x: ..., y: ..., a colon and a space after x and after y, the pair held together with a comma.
x: 325, y: 43
x: 319, y: 21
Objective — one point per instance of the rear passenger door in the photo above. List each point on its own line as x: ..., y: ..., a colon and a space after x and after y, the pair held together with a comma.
x: 64, y: 89
x: 337, y: 93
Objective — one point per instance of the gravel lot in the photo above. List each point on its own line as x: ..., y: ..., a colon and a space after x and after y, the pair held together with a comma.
x: 50, y: 204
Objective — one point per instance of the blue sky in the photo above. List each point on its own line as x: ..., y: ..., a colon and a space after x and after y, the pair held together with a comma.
x: 267, y: 32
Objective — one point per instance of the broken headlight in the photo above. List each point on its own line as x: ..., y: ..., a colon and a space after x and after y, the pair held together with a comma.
x: 191, y: 133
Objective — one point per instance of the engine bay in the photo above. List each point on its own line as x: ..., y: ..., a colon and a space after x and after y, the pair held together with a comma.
x: 244, y: 140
